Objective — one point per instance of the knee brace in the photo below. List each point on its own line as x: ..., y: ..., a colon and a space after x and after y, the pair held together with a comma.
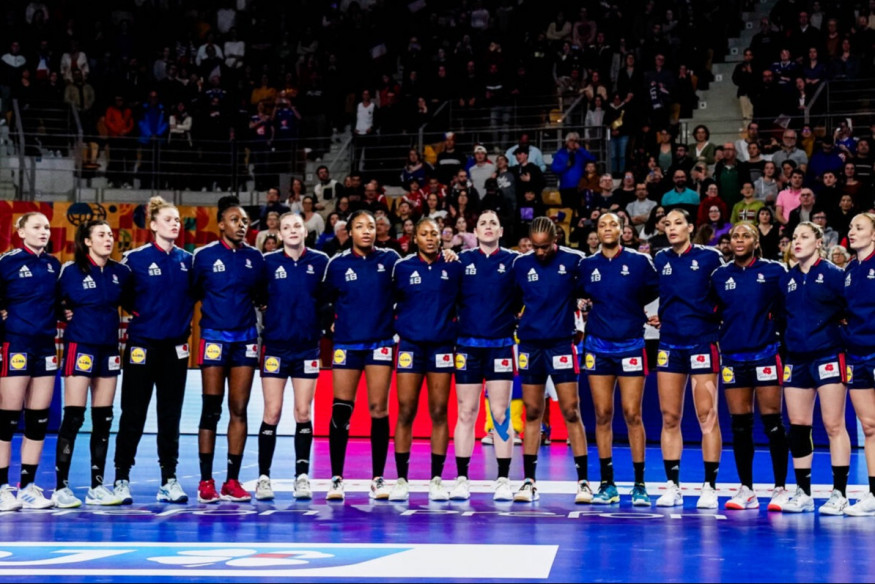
x: 800, y: 441
x: 211, y: 411
x: 8, y: 424
x: 341, y: 413
x: 742, y: 424
x: 36, y: 422
x: 74, y: 417
x: 773, y: 424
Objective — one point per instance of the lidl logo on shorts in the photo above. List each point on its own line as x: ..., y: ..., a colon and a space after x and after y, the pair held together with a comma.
x: 272, y: 364
x: 849, y: 373
x: 788, y: 372
x: 443, y: 360
x: 563, y: 362
x: 461, y: 361
x: 339, y: 357
x: 311, y: 366
x: 662, y: 358
x: 523, y: 360
x: 767, y: 373
x: 631, y: 364
x: 728, y: 375
x: 84, y: 363
x: 589, y: 361
x: 138, y: 355
x: 18, y: 361
x: 827, y: 370
x: 700, y: 361
x: 502, y: 365
x: 383, y: 354
x: 213, y: 351
x: 405, y: 360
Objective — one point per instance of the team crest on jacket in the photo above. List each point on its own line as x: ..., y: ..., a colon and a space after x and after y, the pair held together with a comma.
x: 760, y: 278
x: 380, y: 268
x: 624, y: 271
x: 694, y: 265
x: 501, y: 268
x: 562, y: 269
x: 310, y: 269
x: 248, y: 263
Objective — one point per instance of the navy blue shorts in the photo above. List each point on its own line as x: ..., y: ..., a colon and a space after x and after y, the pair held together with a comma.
x: 83, y: 360
x: 139, y: 353
x: 861, y: 371
x: 765, y: 372
x: 808, y: 373
x: 537, y: 361
x: 228, y: 354
x: 29, y: 356
x: 282, y: 362
x: 696, y: 360
x: 424, y: 357
x: 626, y: 364
x: 478, y: 364
x: 358, y: 359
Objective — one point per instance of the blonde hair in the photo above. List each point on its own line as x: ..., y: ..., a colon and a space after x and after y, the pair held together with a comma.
x: 155, y: 205
x: 22, y: 221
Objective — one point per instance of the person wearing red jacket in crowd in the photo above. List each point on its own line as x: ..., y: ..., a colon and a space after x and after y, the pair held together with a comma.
x: 711, y: 198
x: 119, y: 120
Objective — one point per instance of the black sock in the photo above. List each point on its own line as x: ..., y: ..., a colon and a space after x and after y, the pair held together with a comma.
x: 742, y: 447
x: 235, y: 461
x: 711, y: 469
x: 402, y: 464
x: 123, y: 473
x: 872, y: 485
x: 28, y: 475
x: 673, y: 470
x: 530, y: 463
x: 266, y: 447
x: 503, y: 467
x: 840, y: 478
x: 580, y: 465
x: 206, y: 463
x: 167, y: 474
x: 778, y: 447
x: 72, y: 421
x: 437, y: 464
x: 379, y: 445
x: 639, y: 472
x: 338, y: 434
x: 606, y: 466
x: 303, y: 444
x: 101, y: 424
x: 803, y: 479
x: 4, y: 475
x: 462, y: 465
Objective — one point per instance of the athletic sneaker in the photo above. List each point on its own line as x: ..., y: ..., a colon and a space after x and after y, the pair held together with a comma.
x: 437, y: 491
x: 584, y: 493
x: 122, y: 490
x: 335, y: 490
x: 606, y: 495
x: 65, y: 499
x: 517, y: 440
x: 640, y: 498
x: 206, y: 492
x: 708, y: 498
x: 780, y: 496
x: 263, y: 489
x: 502, y: 489
x: 487, y: 440
x: 864, y: 507
x: 401, y: 491
x: 461, y: 490
x: 232, y: 490
x: 798, y: 503
x: 672, y: 497
x: 8, y: 500
x: 101, y: 495
x: 546, y: 431
x: 527, y: 493
x: 302, y: 487
x: 745, y: 498
x: 171, y: 492
x: 31, y: 497
x: 379, y: 489
x: 835, y: 505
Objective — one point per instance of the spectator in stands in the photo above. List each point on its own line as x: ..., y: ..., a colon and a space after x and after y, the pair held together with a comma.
x: 80, y: 94
x: 407, y: 236
x: 704, y: 150
x: 854, y: 187
x: 745, y: 78
x: 343, y: 207
x: 814, y: 70
x: 505, y: 180
x: 313, y: 221
x: 826, y: 158
x: 805, y: 211
x: 680, y: 195
x: 153, y: 127
x: 121, y: 149
x: 594, y: 121
x: 618, y: 129
x: 639, y: 210
x: 838, y: 254
x: 681, y: 159
x: 747, y: 209
x: 730, y: 175
x: 462, y: 205
x: 272, y: 204
x: 74, y: 60
x: 846, y: 65
x: 864, y: 161
x: 786, y: 70
x: 789, y: 198
x: 684, y: 94
x: 536, y: 157
x: 790, y: 151
x: 385, y: 238
x: 660, y: 84
x: 751, y: 136
x: 625, y: 193
x: 326, y: 190
x: 568, y: 164
x: 559, y: 30
x: 340, y: 242
x: 720, y: 226
x: 415, y: 167
x: 526, y: 175
x: 235, y: 51
x: 261, y: 133
x: 769, y: 101
x: 844, y: 139
x: 710, y: 199
x: 449, y: 160
x: 830, y: 236
x: 270, y: 226
x: 479, y: 169
x: 180, y: 158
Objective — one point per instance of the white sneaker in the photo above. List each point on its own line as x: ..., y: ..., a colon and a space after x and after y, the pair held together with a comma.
x: 461, y: 490
x: 401, y: 491
x: 437, y: 491
x: 335, y: 491
x: 31, y: 497
x: 584, y: 493
x: 122, y: 491
x: 708, y: 498
x: 780, y: 496
x: 487, y: 440
x: 171, y: 492
x: 8, y: 500
x: 527, y: 492
x: 864, y: 507
x: 835, y: 505
x: 379, y: 489
x: 65, y: 499
x: 672, y: 497
x: 263, y: 489
x: 302, y: 487
x: 100, y: 495
x: 798, y: 503
x: 502, y: 490
x: 745, y: 498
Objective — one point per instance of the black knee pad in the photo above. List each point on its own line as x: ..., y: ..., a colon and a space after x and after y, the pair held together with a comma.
x: 341, y: 412
x: 36, y: 422
x: 101, y: 420
x: 800, y: 441
x: 74, y: 417
x: 211, y: 411
x: 773, y: 424
x: 8, y: 424
x: 742, y: 424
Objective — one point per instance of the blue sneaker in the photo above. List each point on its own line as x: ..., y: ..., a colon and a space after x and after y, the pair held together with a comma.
x: 546, y: 432
x: 606, y: 495
x: 640, y: 498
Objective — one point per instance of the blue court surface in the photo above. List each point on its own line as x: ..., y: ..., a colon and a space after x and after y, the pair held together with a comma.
x: 479, y: 540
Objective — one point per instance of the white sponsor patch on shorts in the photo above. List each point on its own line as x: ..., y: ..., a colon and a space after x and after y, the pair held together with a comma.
x: 251, y: 351
x: 827, y: 370
x: 51, y: 363
x: 443, y: 360
x: 182, y: 351
x: 767, y: 373
x: 700, y: 361
x: 311, y: 366
x: 382, y: 354
x: 115, y: 363
x: 502, y: 365
x: 563, y: 362
x: 631, y: 364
